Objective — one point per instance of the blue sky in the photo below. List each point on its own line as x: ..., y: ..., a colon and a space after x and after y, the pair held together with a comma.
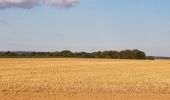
x: 91, y: 25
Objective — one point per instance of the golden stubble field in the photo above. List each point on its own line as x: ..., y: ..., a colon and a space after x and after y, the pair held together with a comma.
x: 84, y: 79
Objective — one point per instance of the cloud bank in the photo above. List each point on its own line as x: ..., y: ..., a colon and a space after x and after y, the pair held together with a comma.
x: 27, y: 4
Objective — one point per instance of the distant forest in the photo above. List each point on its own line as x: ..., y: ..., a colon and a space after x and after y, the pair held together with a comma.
x: 125, y: 54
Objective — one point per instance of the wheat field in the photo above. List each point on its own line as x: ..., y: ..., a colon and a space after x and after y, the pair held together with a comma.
x: 84, y: 79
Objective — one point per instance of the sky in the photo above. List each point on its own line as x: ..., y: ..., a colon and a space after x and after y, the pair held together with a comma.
x: 85, y: 25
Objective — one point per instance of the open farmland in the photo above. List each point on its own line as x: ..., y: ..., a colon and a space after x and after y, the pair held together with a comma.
x: 84, y: 79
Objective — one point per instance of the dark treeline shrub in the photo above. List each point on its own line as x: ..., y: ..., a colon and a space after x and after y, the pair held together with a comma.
x: 125, y: 54
x: 84, y: 55
x: 150, y: 58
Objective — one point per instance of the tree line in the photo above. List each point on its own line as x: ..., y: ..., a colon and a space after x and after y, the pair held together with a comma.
x: 125, y: 54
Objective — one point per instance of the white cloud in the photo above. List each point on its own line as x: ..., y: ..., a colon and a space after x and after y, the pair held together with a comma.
x: 32, y: 3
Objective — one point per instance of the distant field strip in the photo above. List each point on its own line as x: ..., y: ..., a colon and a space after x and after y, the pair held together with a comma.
x: 84, y: 79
